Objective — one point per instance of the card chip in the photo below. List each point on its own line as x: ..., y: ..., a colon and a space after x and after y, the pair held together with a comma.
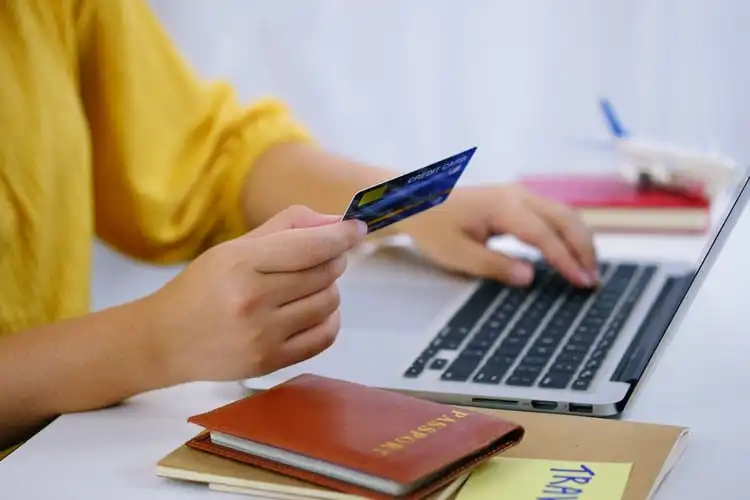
x: 372, y: 195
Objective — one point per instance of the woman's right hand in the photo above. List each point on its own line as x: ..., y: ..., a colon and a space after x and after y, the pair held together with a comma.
x: 256, y: 304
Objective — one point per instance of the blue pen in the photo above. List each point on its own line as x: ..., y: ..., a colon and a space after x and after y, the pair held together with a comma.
x: 612, y: 120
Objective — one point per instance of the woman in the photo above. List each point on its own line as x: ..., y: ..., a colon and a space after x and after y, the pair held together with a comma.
x: 106, y: 132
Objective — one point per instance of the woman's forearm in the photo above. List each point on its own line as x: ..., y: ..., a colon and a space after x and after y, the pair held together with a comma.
x: 301, y: 174
x: 76, y: 365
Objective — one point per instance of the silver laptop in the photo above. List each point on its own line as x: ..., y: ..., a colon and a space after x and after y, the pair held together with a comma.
x: 409, y: 327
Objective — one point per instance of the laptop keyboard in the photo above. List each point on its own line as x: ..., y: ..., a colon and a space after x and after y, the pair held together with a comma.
x: 550, y: 334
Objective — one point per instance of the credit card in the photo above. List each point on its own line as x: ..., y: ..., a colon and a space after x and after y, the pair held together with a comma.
x: 408, y: 194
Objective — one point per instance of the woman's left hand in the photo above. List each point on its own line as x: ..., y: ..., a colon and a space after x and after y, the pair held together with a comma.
x: 454, y: 235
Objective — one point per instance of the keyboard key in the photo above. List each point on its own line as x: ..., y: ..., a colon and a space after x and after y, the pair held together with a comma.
x: 428, y: 353
x: 528, y: 370
x: 592, y: 364
x: 474, y: 351
x: 449, y: 344
x: 462, y: 367
x: 501, y: 359
x: 514, y: 299
x: 523, y: 332
x: 581, y: 385
x: 598, y: 355
x: 547, y: 341
x: 570, y: 357
x: 541, y: 350
x: 535, y: 360
x: 494, y: 369
x: 494, y: 324
x: 582, y: 339
x: 414, y: 371
x: 574, y: 349
x: 512, y: 346
x: 420, y: 363
x: 491, y: 374
x: 438, y: 364
x: 556, y: 331
x: 480, y: 343
x: 520, y: 380
x: 604, y: 344
x: 555, y: 380
x: 563, y: 367
x: 491, y: 335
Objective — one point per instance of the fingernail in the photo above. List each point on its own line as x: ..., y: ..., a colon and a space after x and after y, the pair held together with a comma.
x: 586, y: 278
x: 362, y: 227
x: 521, y: 274
x: 594, y: 273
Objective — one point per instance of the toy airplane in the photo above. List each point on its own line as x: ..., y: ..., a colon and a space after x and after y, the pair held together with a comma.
x: 648, y: 163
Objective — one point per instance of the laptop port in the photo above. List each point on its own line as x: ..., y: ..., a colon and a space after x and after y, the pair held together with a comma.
x: 543, y: 405
x: 580, y: 408
x: 494, y: 403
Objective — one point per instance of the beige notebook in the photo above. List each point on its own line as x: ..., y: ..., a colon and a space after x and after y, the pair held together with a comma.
x: 652, y: 450
x: 223, y: 474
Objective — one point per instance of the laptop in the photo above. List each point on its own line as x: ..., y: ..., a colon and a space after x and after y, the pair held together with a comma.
x: 409, y: 327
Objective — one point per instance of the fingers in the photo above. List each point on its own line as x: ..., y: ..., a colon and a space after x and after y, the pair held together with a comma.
x: 297, y: 249
x: 537, y: 232
x: 294, y: 217
x: 307, y: 312
x: 288, y: 287
x: 574, y: 233
x: 310, y: 342
x: 477, y: 260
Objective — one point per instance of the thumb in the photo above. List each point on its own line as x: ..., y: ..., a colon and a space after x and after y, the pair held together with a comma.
x: 478, y: 260
x: 294, y: 217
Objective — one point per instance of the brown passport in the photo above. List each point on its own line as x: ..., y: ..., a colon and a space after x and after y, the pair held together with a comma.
x: 353, y: 438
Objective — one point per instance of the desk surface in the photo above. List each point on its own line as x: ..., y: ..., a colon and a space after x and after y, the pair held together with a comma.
x: 111, y: 453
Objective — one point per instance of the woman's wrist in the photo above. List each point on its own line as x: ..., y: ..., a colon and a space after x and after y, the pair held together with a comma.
x: 157, y: 345
x: 126, y: 354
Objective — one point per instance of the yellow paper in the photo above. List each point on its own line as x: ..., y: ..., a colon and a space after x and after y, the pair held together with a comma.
x: 533, y: 479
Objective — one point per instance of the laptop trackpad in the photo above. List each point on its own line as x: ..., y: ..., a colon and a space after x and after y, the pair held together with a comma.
x: 391, y: 291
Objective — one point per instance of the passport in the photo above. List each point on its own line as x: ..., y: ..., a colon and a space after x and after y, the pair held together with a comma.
x: 353, y: 438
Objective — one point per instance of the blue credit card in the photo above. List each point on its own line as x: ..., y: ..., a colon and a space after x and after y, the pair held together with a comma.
x: 408, y: 194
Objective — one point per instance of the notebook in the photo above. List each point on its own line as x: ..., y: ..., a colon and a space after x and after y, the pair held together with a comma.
x: 231, y: 476
x: 652, y: 449
x: 609, y: 203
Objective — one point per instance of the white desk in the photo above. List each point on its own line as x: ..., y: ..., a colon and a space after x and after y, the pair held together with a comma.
x: 111, y: 453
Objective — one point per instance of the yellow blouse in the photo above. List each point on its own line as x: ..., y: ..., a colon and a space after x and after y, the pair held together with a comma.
x: 107, y: 132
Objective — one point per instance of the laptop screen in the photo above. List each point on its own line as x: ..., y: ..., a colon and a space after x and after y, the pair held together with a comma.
x: 724, y: 225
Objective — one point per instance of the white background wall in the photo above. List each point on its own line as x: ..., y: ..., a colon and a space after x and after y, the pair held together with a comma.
x: 402, y: 83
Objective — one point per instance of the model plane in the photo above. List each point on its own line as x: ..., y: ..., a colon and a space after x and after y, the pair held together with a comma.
x: 651, y: 163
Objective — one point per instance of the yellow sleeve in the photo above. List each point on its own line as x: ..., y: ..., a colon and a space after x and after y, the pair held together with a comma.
x: 170, y: 151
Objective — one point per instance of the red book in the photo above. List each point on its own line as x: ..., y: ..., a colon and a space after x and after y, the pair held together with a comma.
x: 608, y: 203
